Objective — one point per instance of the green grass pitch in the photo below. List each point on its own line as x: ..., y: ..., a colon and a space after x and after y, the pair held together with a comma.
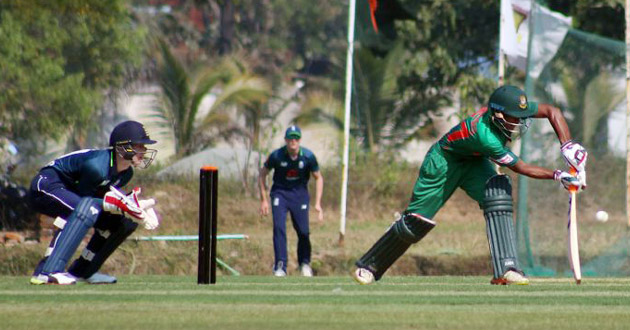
x: 265, y: 302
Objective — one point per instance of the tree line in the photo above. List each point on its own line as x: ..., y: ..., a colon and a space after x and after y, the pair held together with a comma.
x: 62, y: 61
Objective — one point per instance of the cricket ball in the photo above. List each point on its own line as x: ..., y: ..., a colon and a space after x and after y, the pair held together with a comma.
x: 601, y: 216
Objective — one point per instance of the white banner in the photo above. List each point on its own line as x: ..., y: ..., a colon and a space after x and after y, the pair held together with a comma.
x: 549, y: 30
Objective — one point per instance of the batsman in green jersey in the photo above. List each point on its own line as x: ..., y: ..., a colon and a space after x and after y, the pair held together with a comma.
x: 464, y: 158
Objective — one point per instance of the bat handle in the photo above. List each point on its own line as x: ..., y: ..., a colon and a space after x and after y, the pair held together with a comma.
x: 573, y: 172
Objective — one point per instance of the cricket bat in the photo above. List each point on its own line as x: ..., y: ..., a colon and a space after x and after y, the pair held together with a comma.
x: 574, y: 253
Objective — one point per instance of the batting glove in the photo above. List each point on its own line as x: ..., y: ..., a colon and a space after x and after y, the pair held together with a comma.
x: 567, y: 180
x: 575, y: 155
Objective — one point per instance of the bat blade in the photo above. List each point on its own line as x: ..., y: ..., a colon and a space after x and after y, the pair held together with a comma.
x: 574, y: 253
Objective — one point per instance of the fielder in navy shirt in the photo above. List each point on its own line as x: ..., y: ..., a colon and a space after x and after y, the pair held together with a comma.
x: 293, y: 166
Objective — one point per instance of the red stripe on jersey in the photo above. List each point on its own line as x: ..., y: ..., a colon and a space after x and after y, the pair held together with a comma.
x: 476, y: 116
x: 480, y: 112
x: 459, y: 134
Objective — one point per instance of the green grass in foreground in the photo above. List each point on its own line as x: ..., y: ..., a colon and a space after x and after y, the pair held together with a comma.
x: 265, y: 302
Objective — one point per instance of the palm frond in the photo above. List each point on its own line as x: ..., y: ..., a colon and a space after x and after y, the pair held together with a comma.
x: 320, y: 106
x: 243, y: 91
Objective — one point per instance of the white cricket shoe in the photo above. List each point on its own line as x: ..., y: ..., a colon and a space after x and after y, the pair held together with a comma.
x: 278, y: 271
x: 307, y: 271
x: 99, y: 278
x: 60, y: 278
x: 363, y: 276
x: 511, y: 277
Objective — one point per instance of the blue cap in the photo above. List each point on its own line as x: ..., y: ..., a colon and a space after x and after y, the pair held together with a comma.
x: 129, y: 132
x: 293, y: 132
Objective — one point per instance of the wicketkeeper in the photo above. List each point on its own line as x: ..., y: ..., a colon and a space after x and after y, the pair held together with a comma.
x: 80, y: 191
x: 465, y: 158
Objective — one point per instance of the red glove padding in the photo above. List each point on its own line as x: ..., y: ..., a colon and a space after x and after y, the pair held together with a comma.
x: 115, y: 201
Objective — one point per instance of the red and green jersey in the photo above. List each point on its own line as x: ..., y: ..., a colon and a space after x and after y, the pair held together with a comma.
x: 477, y: 136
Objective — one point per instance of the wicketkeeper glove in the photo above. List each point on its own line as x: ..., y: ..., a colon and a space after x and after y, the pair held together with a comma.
x: 116, y: 202
x: 567, y: 180
x: 143, y: 203
x: 575, y: 155
x: 130, y: 205
x: 151, y: 220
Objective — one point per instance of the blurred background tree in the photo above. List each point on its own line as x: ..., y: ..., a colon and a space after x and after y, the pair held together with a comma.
x: 183, y: 90
x: 603, y: 17
x: 59, y: 60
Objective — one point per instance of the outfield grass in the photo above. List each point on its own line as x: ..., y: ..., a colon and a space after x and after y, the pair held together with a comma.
x: 265, y: 302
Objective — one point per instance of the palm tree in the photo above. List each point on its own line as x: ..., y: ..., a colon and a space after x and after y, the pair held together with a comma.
x: 321, y: 106
x: 183, y: 90
x: 374, y: 95
x: 375, y: 111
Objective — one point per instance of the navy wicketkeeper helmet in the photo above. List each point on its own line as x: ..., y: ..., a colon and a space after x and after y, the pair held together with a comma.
x: 127, y: 134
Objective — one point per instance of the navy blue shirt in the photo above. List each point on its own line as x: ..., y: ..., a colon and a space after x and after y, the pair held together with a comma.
x: 289, y: 173
x: 90, y: 172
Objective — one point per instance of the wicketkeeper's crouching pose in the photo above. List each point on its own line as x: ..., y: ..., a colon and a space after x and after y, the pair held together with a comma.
x: 463, y: 158
x: 80, y: 191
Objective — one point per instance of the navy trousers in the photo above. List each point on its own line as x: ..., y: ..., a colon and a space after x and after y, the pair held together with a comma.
x: 296, y: 202
x: 49, y: 195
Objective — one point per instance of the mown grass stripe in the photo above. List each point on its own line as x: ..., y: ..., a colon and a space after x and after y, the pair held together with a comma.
x: 431, y: 293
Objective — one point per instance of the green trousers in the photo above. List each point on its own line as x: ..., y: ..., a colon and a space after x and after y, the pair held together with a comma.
x: 441, y: 173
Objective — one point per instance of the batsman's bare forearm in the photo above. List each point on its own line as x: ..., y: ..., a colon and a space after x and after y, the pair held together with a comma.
x: 532, y: 171
x: 556, y: 119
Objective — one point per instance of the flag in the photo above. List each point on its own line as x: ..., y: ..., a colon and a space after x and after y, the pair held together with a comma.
x: 375, y: 21
x: 507, y: 33
x: 549, y: 30
x: 373, y: 6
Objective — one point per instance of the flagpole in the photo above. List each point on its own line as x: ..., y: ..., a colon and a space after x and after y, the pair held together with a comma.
x: 522, y: 213
x: 346, y: 122
x: 628, y: 110
x: 501, y: 54
x: 501, y: 68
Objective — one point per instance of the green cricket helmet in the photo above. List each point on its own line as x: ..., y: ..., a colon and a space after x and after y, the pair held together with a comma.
x: 511, y: 101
